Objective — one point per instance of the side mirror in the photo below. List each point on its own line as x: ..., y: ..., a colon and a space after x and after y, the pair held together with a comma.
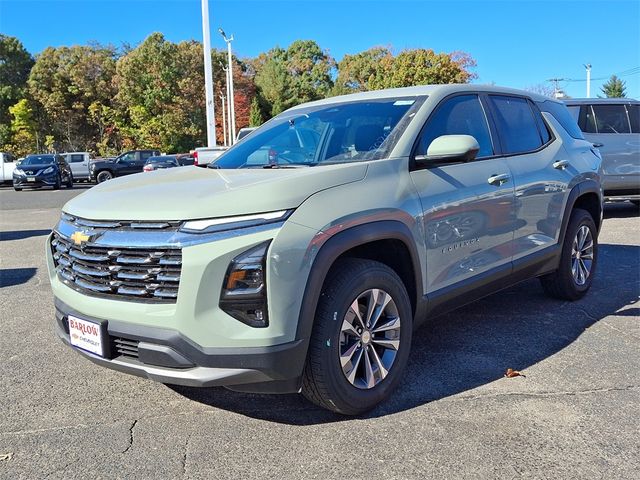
x: 450, y: 149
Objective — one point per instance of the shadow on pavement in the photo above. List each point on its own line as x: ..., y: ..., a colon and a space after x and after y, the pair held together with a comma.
x: 472, y: 346
x: 22, y: 234
x: 15, y: 276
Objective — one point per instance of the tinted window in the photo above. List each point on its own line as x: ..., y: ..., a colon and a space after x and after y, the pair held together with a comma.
x: 634, y: 117
x: 517, y: 125
x: 39, y: 160
x: 611, y: 119
x: 127, y: 157
x: 461, y: 115
x: 76, y: 158
x: 586, y: 120
x: 145, y: 155
x: 568, y: 119
x: 542, y: 127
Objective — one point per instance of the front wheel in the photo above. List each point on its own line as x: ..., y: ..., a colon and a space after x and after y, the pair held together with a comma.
x: 103, y: 176
x: 69, y: 183
x: 578, y: 259
x: 361, y: 338
x: 58, y: 184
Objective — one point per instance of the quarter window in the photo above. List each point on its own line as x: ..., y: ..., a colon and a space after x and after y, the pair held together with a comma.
x: 566, y: 116
x: 461, y: 115
x: 611, y: 119
x: 586, y: 120
x: 516, y: 124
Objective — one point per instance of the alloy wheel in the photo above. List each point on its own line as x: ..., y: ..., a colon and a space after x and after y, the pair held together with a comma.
x: 369, y: 338
x: 582, y: 255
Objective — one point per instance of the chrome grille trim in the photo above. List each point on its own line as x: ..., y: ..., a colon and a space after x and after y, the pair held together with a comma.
x: 145, y: 275
x: 120, y: 224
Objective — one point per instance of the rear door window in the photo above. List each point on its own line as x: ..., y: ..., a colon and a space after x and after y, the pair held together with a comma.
x: 567, y: 117
x: 76, y: 158
x: 516, y: 124
x: 611, y: 119
x: 460, y: 115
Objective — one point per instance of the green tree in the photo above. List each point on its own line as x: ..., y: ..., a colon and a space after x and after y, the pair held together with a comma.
x: 356, y: 72
x: 65, y: 82
x: 15, y: 65
x: 614, y: 88
x: 23, y: 129
x: 284, y: 78
x: 255, y: 114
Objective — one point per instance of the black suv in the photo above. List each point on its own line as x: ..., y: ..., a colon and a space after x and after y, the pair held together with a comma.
x: 124, y: 164
x: 47, y: 170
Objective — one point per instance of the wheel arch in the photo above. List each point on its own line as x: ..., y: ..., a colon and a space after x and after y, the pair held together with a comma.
x: 389, y: 242
x: 588, y: 196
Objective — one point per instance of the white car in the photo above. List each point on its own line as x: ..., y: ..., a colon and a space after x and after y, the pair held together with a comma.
x: 205, y: 155
x: 7, y: 166
x: 79, y: 163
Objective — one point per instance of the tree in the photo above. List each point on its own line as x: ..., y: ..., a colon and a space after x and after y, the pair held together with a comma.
x: 23, y: 129
x: 255, y: 114
x: 614, y: 88
x: 65, y: 82
x: 284, y: 78
x: 15, y: 65
x: 542, y: 89
x: 356, y: 72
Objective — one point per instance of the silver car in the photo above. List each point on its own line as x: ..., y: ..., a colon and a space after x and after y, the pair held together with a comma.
x: 613, y: 125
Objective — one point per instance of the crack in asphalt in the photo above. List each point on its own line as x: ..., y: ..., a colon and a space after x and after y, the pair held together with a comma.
x: 133, y: 425
x: 547, y: 394
x: 184, y: 457
x: 622, y: 332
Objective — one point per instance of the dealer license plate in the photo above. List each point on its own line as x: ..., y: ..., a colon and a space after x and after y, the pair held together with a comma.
x: 85, y: 335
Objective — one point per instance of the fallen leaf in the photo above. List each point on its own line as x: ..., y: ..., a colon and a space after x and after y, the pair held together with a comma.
x: 5, y: 456
x: 511, y: 373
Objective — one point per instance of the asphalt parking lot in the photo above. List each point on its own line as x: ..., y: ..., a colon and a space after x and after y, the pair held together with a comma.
x: 575, y: 414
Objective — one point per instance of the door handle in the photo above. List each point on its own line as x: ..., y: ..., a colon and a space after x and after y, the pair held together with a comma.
x: 598, y: 145
x: 496, y: 179
x: 561, y: 164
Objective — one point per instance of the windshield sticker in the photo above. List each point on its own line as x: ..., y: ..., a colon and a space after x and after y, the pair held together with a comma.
x: 403, y: 102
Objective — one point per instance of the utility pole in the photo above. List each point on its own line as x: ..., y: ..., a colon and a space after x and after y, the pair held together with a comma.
x: 556, y: 88
x: 208, y: 77
x: 232, y: 110
x: 588, y: 67
x: 224, y: 120
x: 226, y: 71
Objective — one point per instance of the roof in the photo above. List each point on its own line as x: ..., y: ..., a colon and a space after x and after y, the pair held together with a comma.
x: 583, y: 101
x: 420, y: 90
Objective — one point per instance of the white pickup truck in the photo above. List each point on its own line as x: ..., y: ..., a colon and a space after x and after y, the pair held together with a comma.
x: 205, y: 155
x: 7, y: 166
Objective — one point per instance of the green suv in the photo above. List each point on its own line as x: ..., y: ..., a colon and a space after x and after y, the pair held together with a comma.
x: 305, y: 256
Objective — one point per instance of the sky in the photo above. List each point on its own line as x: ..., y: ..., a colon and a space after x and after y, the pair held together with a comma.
x: 515, y: 43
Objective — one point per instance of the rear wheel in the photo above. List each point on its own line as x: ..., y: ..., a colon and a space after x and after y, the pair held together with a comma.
x: 58, y: 184
x: 578, y: 259
x: 17, y: 189
x: 70, y: 181
x: 103, y: 176
x: 361, y: 338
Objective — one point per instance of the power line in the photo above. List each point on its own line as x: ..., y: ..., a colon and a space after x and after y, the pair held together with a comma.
x: 624, y: 73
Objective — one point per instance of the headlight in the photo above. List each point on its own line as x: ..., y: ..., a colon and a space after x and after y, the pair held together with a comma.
x: 230, y: 223
x: 18, y: 172
x: 48, y: 170
x: 244, y: 292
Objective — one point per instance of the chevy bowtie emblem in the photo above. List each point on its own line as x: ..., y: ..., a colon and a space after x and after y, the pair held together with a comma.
x: 79, y: 237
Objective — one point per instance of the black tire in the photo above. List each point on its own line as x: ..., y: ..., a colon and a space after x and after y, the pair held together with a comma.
x: 103, y: 176
x: 17, y: 189
x: 561, y: 284
x: 58, y: 184
x: 324, y: 382
x: 70, y: 181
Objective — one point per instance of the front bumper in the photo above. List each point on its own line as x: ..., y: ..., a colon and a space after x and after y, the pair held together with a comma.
x: 35, y: 181
x: 167, y: 356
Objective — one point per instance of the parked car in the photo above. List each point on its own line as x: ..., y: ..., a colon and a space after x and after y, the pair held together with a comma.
x: 613, y: 125
x: 125, y: 164
x: 206, y: 155
x: 185, y: 159
x: 7, y: 165
x: 79, y: 163
x: 45, y: 170
x: 309, y: 273
x: 160, y: 162
x: 243, y: 132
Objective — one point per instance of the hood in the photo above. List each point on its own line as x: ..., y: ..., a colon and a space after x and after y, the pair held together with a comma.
x: 192, y: 192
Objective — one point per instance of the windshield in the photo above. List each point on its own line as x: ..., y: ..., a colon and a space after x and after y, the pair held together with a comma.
x: 335, y: 133
x: 38, y: 160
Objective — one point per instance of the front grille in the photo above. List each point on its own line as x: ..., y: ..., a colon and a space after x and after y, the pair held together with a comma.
x: 151, y: 275
x: 126, y: 347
